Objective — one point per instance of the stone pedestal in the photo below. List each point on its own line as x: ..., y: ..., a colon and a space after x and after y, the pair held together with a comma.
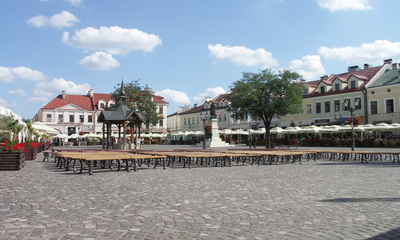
x: 215, y: 140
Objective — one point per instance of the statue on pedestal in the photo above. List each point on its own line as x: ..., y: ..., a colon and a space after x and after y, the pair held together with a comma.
x: 212, y: 111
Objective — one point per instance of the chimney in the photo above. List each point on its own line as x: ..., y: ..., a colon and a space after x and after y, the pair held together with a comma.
x: 208, y: 99
x: 394, y: 66
x: 64, y: 94
x: 90, y: 93
x: 195, y: 105
x: 387, y: 61
x: 323, y: 77
x: 366, y: 66
x: 352, y: 68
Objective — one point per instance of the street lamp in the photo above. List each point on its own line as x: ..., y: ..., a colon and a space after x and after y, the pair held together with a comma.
x: 347, y: 107
x: 78, y: 127
x: 204, y: 119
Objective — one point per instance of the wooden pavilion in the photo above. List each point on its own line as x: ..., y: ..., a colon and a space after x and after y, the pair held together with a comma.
x: 122, y: 116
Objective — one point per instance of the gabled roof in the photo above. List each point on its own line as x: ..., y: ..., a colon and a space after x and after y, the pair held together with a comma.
x: 82, y: 101
x: 390, y: 77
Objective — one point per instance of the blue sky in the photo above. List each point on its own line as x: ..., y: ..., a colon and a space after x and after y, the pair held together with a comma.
x: 183, y: 50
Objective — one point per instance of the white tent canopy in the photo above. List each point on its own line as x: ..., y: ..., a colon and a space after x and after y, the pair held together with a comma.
x: 41, y: 127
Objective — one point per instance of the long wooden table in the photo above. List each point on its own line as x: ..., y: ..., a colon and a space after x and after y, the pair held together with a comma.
x: 65, y: 158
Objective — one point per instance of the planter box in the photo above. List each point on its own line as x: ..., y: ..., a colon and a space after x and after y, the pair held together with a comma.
x: 30, y: 154
x: 12, y: 160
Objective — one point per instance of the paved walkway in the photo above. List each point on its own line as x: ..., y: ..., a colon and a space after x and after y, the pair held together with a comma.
x: 322, y: 200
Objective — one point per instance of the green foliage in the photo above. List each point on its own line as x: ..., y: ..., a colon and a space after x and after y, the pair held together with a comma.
x: 14, y: 126
x: 139, y: 100
x: 266, y: 94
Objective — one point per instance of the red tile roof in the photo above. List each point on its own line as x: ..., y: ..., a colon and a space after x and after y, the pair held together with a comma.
x: 158, y: 99
x: 82, y: 101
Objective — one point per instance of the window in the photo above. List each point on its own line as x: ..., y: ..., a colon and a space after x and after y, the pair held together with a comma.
x: 322, y: 88
x: 353, y: 84
x: 337, y: 105
x: 327, y: 107
x: 48, y: 117
x: 359, y: 103
x: 221, y: 104
x: 374, y: 107
x: 71, y: 118
x: 205, y: 106
x: 81, y: 118
x: 305, y: 91
x: 226, y: 104
x: 60, y: 117
x: 224, y: 117
x: 346, y: 104
x: 309, y: 109
x: 90, y: 118
x: 318, y: 107
x: 219, y: 118
x: 188, y: 121
x: 160, y: 110
x: 197, y: 119
x: 101, y: 105
x: 184, y: 121
x: 111, y: 105
x: 161, y: 123
x: 337, y: 87
x: 389, y: 106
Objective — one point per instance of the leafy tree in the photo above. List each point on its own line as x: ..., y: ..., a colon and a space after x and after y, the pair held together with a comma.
x: 26, y: 120
x: 139, y: 100
x: 267, y: 94
x: 14, y: 126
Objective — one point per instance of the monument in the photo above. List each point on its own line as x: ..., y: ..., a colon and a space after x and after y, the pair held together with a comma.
x: 215, y: 141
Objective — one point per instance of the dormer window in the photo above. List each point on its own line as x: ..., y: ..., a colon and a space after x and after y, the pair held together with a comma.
x: 353, y: 84
x: 101, y: 105
x: 322, y: 88
x: 226, y: 104
x: 306, y: 91
x: 221, y: 104
x: 337, y: 87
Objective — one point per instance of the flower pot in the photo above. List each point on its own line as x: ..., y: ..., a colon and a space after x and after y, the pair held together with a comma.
x: 12, y: 160
x: 30, y: 154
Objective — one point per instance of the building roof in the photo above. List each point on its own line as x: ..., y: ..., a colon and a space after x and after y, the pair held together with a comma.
x: 82, y: 101
x: 390, y: 77
x: 158, y: 99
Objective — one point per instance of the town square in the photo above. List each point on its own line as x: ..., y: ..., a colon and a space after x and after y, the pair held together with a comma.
x: 265, y: 119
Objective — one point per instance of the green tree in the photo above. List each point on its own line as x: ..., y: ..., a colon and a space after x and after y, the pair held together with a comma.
x: 139, y: 100
x: 267, y: 94
x: 14, y: 126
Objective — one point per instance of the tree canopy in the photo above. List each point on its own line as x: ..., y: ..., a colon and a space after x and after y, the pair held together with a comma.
x: 139, y: 100
x: 267, y: 94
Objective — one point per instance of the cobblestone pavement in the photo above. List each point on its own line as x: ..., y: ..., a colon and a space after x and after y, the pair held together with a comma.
x: 322, y: 200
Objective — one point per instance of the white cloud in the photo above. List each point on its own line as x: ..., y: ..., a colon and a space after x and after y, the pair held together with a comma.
x: 309, y: 66
x: 18, y: 92
x: 368, y: 52
x: 114, y: 40
x: 75, y: 2
x: 211, y: 92
x: 242, y: 55
x: 63, y: 19
x: 3, y: 103
x: 173, y: 96
x: 344, y: 5
x: 49, y: 89
x: 8, y: 74
x: 99, y: 61
x: 37, y: 99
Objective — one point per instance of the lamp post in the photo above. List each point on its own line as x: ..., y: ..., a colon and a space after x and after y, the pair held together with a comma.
x: 347, y: 107
x: 78, y: 127
x: 204, y: 119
